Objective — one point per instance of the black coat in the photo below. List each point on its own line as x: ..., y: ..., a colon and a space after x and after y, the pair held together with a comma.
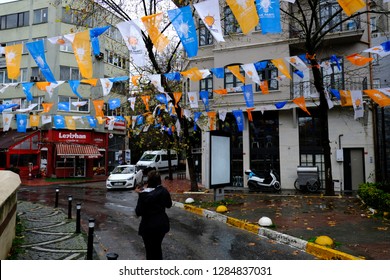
x: 151, y: 207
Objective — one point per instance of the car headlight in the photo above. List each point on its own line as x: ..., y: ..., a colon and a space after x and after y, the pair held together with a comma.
x: 130, y: 178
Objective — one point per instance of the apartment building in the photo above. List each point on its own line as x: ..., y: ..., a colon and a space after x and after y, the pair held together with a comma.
x: 47, y: 149
x: 285, y: 137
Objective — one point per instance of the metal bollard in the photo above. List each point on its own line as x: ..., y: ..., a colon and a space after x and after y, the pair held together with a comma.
x: 112, y: 256
x: 91, y: 227
x: 56, y: 202
x: 78, y: 217
x: 70, y: 206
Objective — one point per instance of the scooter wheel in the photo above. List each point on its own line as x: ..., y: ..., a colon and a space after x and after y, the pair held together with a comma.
x: 252, y: 186
x: 313, y: 187
x: 277, y: 186
x: 296, y: 185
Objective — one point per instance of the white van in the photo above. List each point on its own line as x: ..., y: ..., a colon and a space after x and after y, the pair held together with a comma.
x: 157, y: 160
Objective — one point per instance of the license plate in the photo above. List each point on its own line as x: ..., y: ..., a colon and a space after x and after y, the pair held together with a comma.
x: 118, y: 184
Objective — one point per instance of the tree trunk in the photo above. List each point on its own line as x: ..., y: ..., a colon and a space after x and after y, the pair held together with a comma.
x: 325, y: 143
x: 190, y: 159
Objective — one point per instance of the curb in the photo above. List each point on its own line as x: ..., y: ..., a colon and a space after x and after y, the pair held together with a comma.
x: 321, y: 252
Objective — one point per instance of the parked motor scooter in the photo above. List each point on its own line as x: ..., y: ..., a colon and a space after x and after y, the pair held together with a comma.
x: 263, y: 181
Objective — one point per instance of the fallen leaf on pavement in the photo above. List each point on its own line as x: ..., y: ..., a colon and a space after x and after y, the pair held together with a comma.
x: 309, y: 228
x: 382, y: 228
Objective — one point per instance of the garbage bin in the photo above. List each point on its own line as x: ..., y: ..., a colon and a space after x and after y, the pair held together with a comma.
x: 308, y: 178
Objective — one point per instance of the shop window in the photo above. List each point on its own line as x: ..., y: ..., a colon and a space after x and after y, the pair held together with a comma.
x: 18, y: 160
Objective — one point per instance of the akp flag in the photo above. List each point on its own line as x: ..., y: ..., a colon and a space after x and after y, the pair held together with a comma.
x: 245, y: 13
x: 114, y: 103
x: 269, y: 14
x: 21, y: 122
x: 204, y: 95
x: 37, y: 51
x: 92, y: 121
x: 82, y: 51
x: 238, y: 114
x: 184, y: 25
x: 248, y: 95
x: 59, y: 121
x: 27, y: 90
x: 74, y: 85
x: 94, y: 34
x: 351, y: 6
x: 209, y: 12
x: 151, y: 23
x: 132, y: 35
x: 13, y: 57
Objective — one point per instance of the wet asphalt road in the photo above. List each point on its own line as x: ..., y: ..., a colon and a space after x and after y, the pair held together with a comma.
x: 191, y: 237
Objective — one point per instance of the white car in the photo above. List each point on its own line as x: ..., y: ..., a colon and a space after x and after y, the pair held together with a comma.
x: 124, y: 176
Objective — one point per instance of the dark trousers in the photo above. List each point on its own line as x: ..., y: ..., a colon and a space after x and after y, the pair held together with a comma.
x: 152, y: 244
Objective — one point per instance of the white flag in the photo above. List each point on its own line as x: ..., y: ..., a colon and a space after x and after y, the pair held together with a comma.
x: 5, y: 86
x: 222, y: 114
x: 50, y: 88
x: 132, y: 35
x: 132, y: 102
x: 385, y: 91
x: 377, y: 50
x: 209, y: 12
x: 45, y: 119
x: 156, y: 81
x: 178, y: 127
x: 251, y: 71
x: 29, y: 108
x: 193, y: 99
x: 205, y: 73
x: 7, y: 118
x: 297, y: 62
x: 187, y: 114
x: 357, y: 102
x: 58, y: 40
x: 106, y: 85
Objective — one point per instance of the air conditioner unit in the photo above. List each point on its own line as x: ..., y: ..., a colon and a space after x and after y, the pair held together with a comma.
x: 375, y: 35
x: 34, y: 79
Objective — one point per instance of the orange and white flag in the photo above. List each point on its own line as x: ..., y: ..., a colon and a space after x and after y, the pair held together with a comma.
x: 13, y: 57
x: 345, y: 98
x: 212, y: 120
x: 177, y: 96
x: 47, y: 107
x: 152, y: 22
x: 193, y: 74
x: 358, y: 59
x: 98, y: 104
x: 70, y: 122
x: 235, y: 69
x: 378, y: 97
x: 281, y: 65
x: 82, y: 50
x: 300, y: 101
x: 145, y: 99
x: 351, y: 6
x: 34, y: 120
x: 246, y: 14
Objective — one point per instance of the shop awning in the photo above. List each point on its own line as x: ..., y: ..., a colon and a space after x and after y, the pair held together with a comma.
x: 75, y: 150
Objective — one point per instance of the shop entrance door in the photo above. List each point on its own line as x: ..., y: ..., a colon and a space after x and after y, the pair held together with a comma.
x: 79, y: 166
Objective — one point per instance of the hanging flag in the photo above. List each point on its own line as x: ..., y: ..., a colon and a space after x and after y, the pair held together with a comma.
x: 296, y: 62
x: 386, y: 46
x: 70, y: 123
x: 46, y: 107
x: 279, y: 63
x: 98, y: 105
x: 358, y: 59
x: 335, y: 59
x: 57, y: 40
x: 162, y: 98
x: 300, y: 101
x: 100, y: 119
x: 204, y: 96
x: 145, y: 99
x: 5, y: 86
x: 220, y: 91
x: 378, y: 97
x: 114, y: 103
x: 193, y: 74
x: 132, y: 102
x: 205, y: 73
x: 248, y: 95
x: 79, y: 104
x: 246, y: 14
x: 193, y: 99
x: 151, y: 23
x: 21, y: 122
x: 34, y: 120
x: 196, y: 118
x: 59, y: 121
x: 209, y: 12
x: 37, y: 51
x: 251, y: 72
x: 29, y: 108
x: 212, y: 120
x: 249, y: 111
x: 46, y: 119
x: 92, y: 82
x: 238, y: 114
x: 336, y: 93
x: 235, y: 69
x: 128, y: 121
x: 42, y: 85
x: 27, y: 90
x: 156, y: 81
x: 173, y: 76
x: 280, y: 105
x: 82, y: 51
x: 13, y: 57
x: 64, y: 106
x: 50, y: 88
x: 345, y: 97
x: 94, y: 33
x: 299, y: 73
x: 385, y: 90
x: 357, y: 102
x: 135, y: 80
x: 177, y: 96
x: 269, y: 13
x: 328, y: 100
x: 222, y: 114
x: 7, y: 118
x: 132, y: 36
x: 351, y: 6
x: 218, y: 72
x: 378, y: 50
x: 106, y: 85
x: 184, y: 25
x: 74, y: 84
x: 264, y: 87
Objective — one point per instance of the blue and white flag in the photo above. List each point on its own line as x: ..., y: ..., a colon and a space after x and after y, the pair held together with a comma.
x: 218, y: 72
x: 37, y: 51
x: 204, y: 95
x: 173, y: 76
x: 248, y: 95
x: 92, y: 121
x: 27, y: 90
x: 21, y: 122
x: 269, y: 14
x: 280, y: 105
x: 239, y: 119
x: 119, y: 79
x: 94, y: 33
x: 64, y: 106
x: 114, y: 103
x: 184, y: 25
x: 196, y: 118
x: 74, y: 85
x: 59, y: 121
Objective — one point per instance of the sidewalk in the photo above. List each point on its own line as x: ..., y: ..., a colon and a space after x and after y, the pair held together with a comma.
x: 297, y: 218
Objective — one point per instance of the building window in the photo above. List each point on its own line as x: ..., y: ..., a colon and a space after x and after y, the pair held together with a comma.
x: 36, y: 100
x: 232, y: 82
x: 40, y: 16
x: 114, y: 34
x: 231, y: 24
x: 207, y: 85
x: 205, y: 37
x: 327, y: 10
x: 14, y: 20
x: 333, y: 76
x: 23, y: 42
x: 22, y: 77
x: 115, y: 59
x: 72, y: 107
x: 373, y: 24
x: 76, y: 17
x: 268, y: 72
x: 69, y: 73
x: 67, y: 47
